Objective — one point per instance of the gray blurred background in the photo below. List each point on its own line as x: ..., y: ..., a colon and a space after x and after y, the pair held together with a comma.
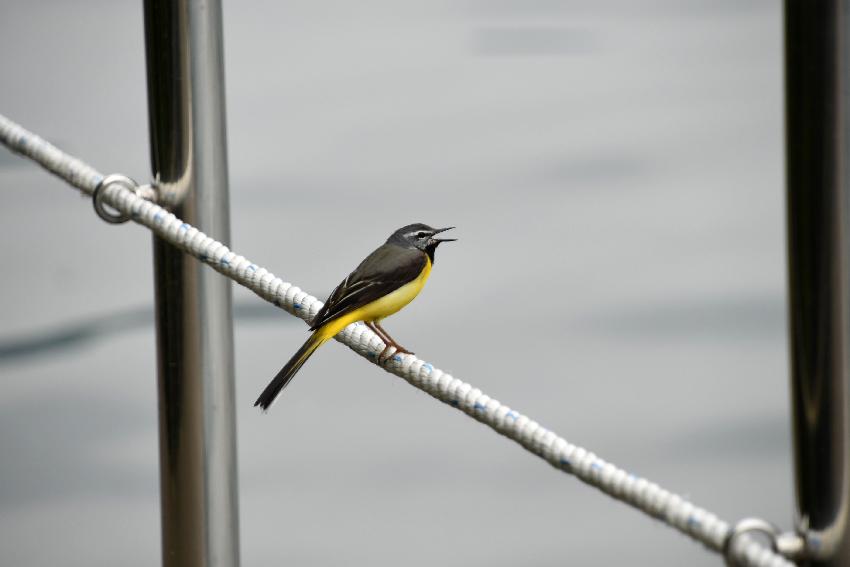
x: 615, y: 173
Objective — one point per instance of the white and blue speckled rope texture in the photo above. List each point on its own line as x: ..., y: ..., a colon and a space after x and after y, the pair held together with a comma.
x: 642, y: 494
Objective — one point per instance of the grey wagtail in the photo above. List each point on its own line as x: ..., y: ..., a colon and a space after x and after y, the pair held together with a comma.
x: 387, y: 280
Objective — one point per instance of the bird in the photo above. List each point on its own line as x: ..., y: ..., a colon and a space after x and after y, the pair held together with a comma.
x: 385, y: 282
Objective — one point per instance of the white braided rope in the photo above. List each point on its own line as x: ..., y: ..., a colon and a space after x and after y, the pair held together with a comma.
x: 642, y: 494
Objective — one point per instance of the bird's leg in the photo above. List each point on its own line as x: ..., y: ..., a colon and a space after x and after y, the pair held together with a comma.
x: 398, y: 347
x: 388, y: 342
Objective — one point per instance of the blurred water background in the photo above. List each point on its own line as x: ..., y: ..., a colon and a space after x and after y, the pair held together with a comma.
x: 615, y: 173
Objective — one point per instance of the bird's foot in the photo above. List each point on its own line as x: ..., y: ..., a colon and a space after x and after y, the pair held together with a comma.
x: 389, y: 352
x: 385, y: 355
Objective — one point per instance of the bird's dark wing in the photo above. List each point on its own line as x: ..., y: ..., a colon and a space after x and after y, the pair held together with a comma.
x: 383, y: 271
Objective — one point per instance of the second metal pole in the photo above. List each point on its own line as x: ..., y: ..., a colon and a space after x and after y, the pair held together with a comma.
x: 817, y: 88
x: 193, y: 307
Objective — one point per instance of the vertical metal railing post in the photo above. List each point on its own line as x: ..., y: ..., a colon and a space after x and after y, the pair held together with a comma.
x: 817, y: 87
x: 183, y: 40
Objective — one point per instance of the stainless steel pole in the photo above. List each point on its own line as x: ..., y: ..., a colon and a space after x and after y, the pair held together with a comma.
x: 197, y: 432
x: 817, y: 87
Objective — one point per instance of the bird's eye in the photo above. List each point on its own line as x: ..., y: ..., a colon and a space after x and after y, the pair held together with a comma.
x: 421, y: 234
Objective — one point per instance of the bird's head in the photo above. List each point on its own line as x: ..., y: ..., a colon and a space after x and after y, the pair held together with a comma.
x: 420, y: 236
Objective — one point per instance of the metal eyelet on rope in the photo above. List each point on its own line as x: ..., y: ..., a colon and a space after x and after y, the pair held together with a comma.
x: 791, y: 545
x: 788, y: 544
x: 97, y: 197
x: 745, y: 526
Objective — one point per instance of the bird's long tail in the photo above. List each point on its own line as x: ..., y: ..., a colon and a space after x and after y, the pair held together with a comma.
x: 286, y: 373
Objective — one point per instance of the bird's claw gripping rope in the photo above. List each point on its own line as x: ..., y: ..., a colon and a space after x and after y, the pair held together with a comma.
x: 115, y: 179
x: 700, y: 524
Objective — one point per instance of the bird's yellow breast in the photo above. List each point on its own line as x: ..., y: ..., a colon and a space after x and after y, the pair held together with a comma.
x: 394, y: 301
x: 383, y: 306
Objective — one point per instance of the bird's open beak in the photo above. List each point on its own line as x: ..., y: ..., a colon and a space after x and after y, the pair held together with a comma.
x: 439, y: 230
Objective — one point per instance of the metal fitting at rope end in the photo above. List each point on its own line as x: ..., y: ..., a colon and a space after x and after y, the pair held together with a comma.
x: 121, y: 181
x: 791, y: 546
